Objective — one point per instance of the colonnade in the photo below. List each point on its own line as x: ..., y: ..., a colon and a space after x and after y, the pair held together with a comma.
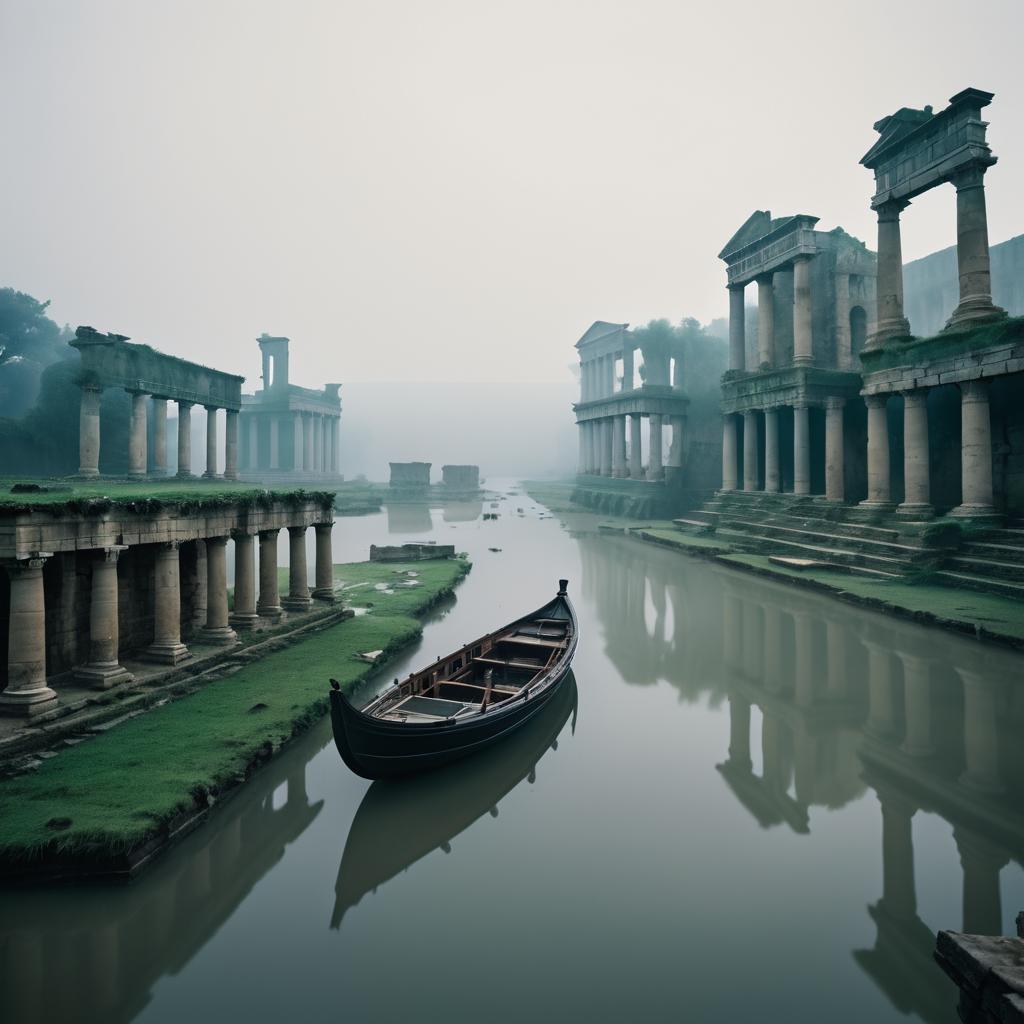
x: 975, y: 452
x: 314, y: 442
x: 138, y: 454
x: 612, y: 446
x: 28, y: 692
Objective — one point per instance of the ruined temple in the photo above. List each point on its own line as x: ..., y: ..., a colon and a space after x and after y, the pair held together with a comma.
x: 410, y: 476
x: 461, y: 479
x: 289, y: 434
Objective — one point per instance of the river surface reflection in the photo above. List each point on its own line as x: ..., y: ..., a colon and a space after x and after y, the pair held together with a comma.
x: 757, y: 804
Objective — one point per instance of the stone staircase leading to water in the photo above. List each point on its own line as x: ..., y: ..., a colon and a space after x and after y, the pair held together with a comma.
x: 807, y: 532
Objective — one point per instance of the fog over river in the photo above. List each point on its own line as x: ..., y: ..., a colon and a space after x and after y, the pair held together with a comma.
x: 758, y: 804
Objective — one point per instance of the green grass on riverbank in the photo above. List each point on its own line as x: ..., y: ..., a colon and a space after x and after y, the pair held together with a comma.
x: 111, y: 794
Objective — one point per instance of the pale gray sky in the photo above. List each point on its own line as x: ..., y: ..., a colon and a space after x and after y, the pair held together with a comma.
x: 453, y: 190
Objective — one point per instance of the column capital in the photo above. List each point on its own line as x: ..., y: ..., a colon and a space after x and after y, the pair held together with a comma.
x: 169, y: 545
x: 739, y: 287
x: 834, y: 402
x: 218, y: 541
x: 891, y: 209
x: 297, y: 531
x: 238, y: 533
x: 92, y: 387
x: 269, y: 534
x: 212, y: 408
x: 971, y: 176
x: 29, y: 566
x: 138, y: 392
x: 183, y: 404
x: 110, y: 553
x: 973, y: 391
x: 803, y: 257
x: 324, y: 526
x: 915, y: 395
x: 876, y: 401
x: 765, y: 280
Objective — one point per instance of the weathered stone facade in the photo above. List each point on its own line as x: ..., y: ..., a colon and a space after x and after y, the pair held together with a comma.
x: 461, y: 479
x: 82, y: 589
x: 410, y: 477
x: 289, y: 434
x: 108, y: 360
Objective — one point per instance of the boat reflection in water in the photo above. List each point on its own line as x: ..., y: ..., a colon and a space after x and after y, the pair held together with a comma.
x: 401, y: 821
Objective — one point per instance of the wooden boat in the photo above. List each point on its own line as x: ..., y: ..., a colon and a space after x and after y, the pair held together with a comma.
x: 461, y: 703
x: 400, y: 821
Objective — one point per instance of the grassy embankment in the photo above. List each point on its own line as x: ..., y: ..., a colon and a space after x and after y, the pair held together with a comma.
x: 110, y: 795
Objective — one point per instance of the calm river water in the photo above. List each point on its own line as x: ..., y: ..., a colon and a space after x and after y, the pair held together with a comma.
x: 761, y: 806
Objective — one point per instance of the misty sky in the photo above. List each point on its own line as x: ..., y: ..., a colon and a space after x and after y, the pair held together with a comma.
x: 453, y: 190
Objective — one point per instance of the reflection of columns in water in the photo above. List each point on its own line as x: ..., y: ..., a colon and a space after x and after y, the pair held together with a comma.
x: 776, y: 753
x: 981, y: 736
x: 982, y: 862
x: 658, y: 600
x: 297, y: 786
x: 835, y: 642
x: 899, y: 892
x: 803, y: 666
x: 773, y: 670
x: 881, y: 712
x: 23, y: 972
x: 732, y: 629
x: 917, y: 704
x: 805, y: 760
x: 739, y: 733
x: 753, y: 640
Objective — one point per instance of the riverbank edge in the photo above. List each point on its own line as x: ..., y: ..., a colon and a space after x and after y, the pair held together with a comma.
x: 48, y: 862
x: 708, y: 550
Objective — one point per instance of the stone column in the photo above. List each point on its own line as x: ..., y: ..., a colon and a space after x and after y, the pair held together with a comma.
x: 801, y: 450
x: 891, y: 323
x: 899, y: 891
x: 627, y: 369
x: 917, y: 701
x: 982, y: 861
x: 298, y: 599
x: 981, y: 733
x: 167, y: 648
x: 137, y: 436
x: 269, y: 604
x: 606, y: 446
x: 879, y: 493
x: 27, y: 693
x: 335, y: 422
x: 917, y: 495
x: 308, y: 457
x: 275, y: 443
x: 102, y: 669
x: 737, y: 329
x: 217, y: 630
x: 231, y: 444
x: 244, y: 616
x: 89, y: 431
x: 655, y: 468
x: 835, y: 481
x: 803, y: 340
x: 581, y: 460
x: 211, y: 442
x: 728, y: 452
x: 324, y: 589
x: 619, y: 447
x: 298, y: 441
x: 184, y: 439
x: 160, y: 437
x: 765, y: 321
x: 254, y: 442
x: 772, y: 477
x: 318, y: 444
x: 844, y: 340
x: 750, y: 467
x: 975, y: 451
x: 972, y: 255
x: 636, y: 466
x: 675, y: 449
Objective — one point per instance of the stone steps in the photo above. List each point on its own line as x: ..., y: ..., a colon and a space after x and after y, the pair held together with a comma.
x: 970, y: 581
x: 968, y: 563
x: 997, y: 552
x: 811, y: 563
x: 821, y: 553
x: 776, y: 530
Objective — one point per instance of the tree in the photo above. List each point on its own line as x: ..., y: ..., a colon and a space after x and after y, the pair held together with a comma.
x: 29, y: 342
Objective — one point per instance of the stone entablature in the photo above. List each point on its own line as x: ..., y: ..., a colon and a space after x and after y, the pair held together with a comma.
x: 788, y: 386
x: 784, y: 239
x: 642, y: 401
x: 109, y: 360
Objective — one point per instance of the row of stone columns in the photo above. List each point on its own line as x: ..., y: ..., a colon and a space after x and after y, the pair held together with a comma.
x: 27, y: 692
x: 138, y: 455
x: 597, y: 376
x: 975, y: 453
x: 803, y: 341
x: 315, y: 446
x: 834, y: 465
x: 604, y: 450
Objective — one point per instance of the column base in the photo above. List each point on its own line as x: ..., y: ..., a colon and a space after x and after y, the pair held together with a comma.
x: 272, y: 615
x: 166, y: 652
x: 327, y: 596
x: 915, y: 510
x: 136, y: 475
x: 186, y: 475
x: 296, y: 604
x: 211, y: 475
x: 876, y: 506
x: 243, y: 620
x: 27, y: 703
x: 803, y: 360
x: 103, y: 675
x: 620, y: 474
x: 973, y: 311
x: 657, y: 475
x: 223, y: 636
x: 87, y: 474
x: 984, y: 513
x: 636, y: 474
x: 230, y: 476
x: 887, y: 329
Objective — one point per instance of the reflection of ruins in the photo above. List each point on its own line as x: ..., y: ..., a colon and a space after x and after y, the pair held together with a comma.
x: 820, y: 711
x: 408, y: 517
x: 110, y: 945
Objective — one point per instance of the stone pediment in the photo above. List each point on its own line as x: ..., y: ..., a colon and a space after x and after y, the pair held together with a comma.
x: 757, y: 225
x: 599, y: 329
x: 893, y: 128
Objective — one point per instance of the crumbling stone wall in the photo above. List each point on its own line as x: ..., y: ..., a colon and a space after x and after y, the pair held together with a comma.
x: 461, y: 478
x: 410, y: 476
